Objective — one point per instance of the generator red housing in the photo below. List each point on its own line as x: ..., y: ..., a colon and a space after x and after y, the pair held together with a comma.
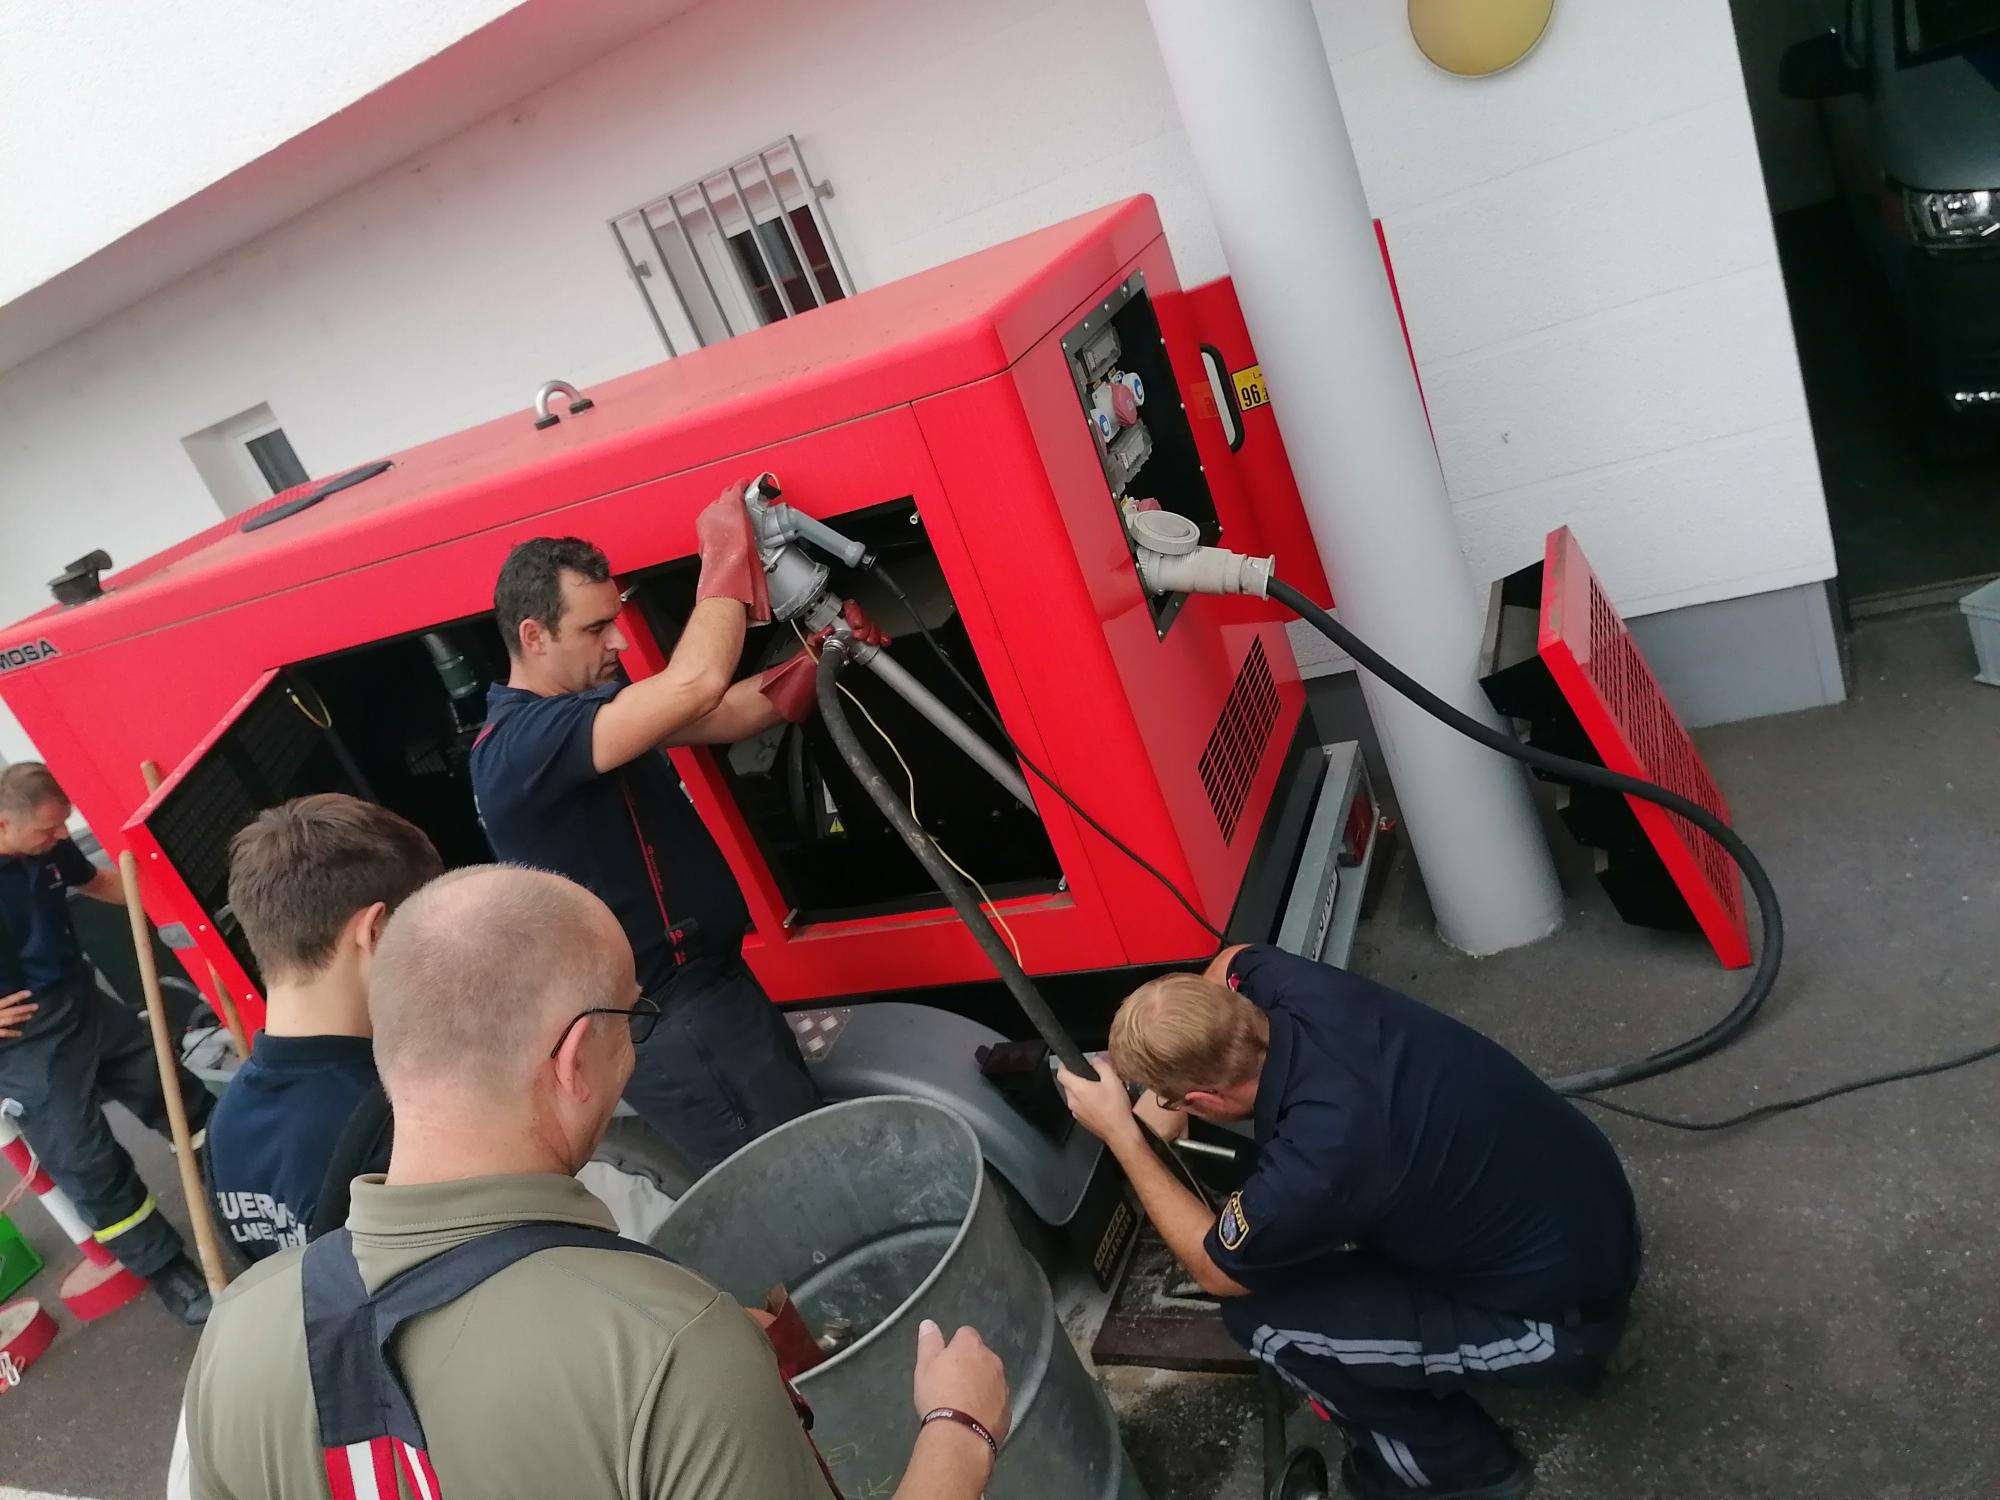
x: 945, y: 404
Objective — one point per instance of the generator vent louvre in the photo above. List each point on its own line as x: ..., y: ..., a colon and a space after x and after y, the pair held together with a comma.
x: 1663, y: 748
x: 1229, y: 763
x: 273, y: 752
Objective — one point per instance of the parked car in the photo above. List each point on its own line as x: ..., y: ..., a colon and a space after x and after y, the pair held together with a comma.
x: 1909, y: 92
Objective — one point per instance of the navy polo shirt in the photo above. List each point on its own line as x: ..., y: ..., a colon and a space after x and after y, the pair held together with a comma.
x: 544, y: 803
x: 1383, y: 1123
x: 39, y: 950
x: 273, y: 1132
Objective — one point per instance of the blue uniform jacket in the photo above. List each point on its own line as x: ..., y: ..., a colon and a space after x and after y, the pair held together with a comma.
x: 1385, y: 1125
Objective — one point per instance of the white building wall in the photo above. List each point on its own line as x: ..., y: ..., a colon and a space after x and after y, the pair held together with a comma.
x: 1582, y: 247
x: 114, y: 111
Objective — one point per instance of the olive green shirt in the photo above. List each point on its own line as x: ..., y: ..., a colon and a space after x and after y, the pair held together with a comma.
x: 574, y: 1372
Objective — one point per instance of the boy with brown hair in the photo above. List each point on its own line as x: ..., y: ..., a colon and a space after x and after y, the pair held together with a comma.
x: 313, y: 882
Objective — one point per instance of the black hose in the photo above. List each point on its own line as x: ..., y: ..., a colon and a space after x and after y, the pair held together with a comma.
x: 827, y: 684
x: 1582, y: 773
x: 883, y: 577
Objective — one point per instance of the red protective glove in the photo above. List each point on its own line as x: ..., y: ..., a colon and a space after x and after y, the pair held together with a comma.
x: 792, y: 686
x: 864, y: 628
x: 730, y: 566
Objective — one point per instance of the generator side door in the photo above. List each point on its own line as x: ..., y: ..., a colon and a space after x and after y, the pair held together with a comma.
x: 276, y: 743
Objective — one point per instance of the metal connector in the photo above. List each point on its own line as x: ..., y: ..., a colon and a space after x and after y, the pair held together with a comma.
x: 1171, y: 559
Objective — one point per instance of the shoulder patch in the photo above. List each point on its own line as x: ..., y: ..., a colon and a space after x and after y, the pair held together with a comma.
x: 1233, y: 1228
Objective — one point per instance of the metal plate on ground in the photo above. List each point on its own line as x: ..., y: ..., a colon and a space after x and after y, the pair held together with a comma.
x: 1148, y: 1326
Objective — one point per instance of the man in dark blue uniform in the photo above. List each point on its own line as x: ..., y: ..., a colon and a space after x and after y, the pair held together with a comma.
x: 313, y: 881
x: 79, y: 1047
x: 569, y: 777
x: 1423, y: 1212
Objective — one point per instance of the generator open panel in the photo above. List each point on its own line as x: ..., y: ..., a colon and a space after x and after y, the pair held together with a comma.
x: 833, y: 855
x: 405, y: 712
x: 1132, y: 402
x: 274, y: 746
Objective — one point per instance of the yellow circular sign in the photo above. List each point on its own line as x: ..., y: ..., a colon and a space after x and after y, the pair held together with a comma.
x: 1474, y: 38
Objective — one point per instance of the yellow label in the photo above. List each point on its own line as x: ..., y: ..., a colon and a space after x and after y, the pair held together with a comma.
x: 1250, y: 387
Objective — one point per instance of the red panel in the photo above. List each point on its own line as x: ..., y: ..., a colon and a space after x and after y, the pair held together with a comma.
x: 1256, y: 493
x: 1148, y: 705
x: 1634, y: 729
x: 167, y: 896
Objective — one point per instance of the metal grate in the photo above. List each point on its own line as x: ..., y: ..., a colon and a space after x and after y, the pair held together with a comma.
x: 741, y: 246
x: 1229, y: 763
x: 1656, y: 737
x: 273, y: 752
x: 1632, y: 727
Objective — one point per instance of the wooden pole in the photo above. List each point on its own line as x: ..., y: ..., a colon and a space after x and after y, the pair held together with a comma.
x: 206, y: 1243
x: 227, y: 1006
x: 225, y: 1003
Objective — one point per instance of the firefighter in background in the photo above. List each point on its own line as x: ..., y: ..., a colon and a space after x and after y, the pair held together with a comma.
x: 79, y: 1047
x: 1423, y: 1212
x: 569, y: 777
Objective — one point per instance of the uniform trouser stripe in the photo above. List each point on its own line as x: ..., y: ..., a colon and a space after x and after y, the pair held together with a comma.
x: 131, y: 1221
x: 1417, y: 1475
x: 1389, y: 1448
x: 1535, y: 1344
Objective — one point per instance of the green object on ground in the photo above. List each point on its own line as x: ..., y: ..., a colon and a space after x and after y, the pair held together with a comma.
x: 18, y: 1260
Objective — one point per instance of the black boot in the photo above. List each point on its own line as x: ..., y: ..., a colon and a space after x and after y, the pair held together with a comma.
x: 1366, y: 1477
x: 183, y: 1290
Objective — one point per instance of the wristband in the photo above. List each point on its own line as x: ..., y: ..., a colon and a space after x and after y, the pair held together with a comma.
x: 964, y: 1419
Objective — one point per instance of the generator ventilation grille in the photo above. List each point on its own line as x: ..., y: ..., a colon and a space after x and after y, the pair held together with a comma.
x: 1229, y: 763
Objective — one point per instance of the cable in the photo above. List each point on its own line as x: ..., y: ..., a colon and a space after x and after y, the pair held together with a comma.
x: 910, y: 777
x: 321, y: 720
x: 1043, y: 1019
x: 881, y: 576
x: 1582, y: 773
x: 1784, y: 1106
x: 1051, y: 1030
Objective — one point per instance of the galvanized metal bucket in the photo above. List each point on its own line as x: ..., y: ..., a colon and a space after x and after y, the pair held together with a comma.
x: 876, y: 1214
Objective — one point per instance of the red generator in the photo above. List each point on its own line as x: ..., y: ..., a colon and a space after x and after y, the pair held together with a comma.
x: 339, y: 637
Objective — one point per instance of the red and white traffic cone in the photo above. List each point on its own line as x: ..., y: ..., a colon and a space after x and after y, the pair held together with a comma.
x: 25, y: 1335
x: 98, y: 1285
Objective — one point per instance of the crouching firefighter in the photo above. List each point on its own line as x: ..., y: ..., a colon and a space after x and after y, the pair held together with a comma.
x: 1422, y: 1214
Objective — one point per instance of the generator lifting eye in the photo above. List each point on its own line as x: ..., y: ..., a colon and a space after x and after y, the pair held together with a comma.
x: 550, y: 388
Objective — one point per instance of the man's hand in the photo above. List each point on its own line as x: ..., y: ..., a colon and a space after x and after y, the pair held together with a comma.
x: 1104, y: 1108
x: 963, y: 1374
x: 730, y: 566
x: 1167, y: 1124
x: 792, y: 685
x: 864, y: 628
x: 14, y: 1012
x: 105, y: 885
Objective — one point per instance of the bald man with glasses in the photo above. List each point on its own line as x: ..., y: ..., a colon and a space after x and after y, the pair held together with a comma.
x: 478, y: 1328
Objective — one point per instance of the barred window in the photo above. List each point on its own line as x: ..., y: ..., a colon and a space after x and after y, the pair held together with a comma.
x: 741, y: 246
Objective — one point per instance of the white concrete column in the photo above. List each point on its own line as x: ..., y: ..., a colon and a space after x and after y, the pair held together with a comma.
x: 1265, y: 126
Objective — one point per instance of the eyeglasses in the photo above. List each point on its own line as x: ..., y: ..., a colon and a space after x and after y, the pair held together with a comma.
x: 644, y: 1017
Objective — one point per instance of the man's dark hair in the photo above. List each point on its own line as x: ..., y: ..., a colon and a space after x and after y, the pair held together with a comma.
x: 300, y: 870
x: 27, y: 786
x: 530, y: 583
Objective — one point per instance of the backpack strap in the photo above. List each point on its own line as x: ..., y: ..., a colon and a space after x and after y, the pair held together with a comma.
x: 358, y: 1394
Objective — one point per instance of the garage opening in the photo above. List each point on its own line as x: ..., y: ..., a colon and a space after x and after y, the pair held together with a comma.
x: 1878, y: 126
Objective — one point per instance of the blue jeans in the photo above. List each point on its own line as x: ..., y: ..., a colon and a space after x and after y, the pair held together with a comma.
x: 722, y: 1067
